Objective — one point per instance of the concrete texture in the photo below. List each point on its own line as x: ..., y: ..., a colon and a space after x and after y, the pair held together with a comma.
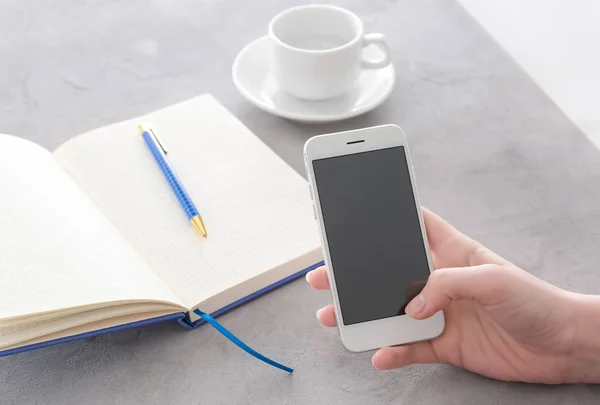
x: 493, y: 155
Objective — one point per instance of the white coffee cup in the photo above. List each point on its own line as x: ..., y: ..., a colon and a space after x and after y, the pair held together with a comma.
x: 316, y: 51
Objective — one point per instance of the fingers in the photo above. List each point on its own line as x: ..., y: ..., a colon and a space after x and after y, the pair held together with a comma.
x: 485, y: 284
x: 438, y: 230
x: 389, y: 358
x: 478, y: 254
x: 452, y: 248
x: 326, y: 316
x: 319, y: 281
x: 318, y: 278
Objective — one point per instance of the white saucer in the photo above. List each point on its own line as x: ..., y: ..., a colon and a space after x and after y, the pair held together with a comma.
x: 251, y: 77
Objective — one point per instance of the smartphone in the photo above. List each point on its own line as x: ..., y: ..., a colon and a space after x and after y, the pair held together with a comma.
x: 373, y: 236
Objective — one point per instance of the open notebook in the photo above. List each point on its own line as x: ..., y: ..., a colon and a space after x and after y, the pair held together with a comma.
x: 92, y: 238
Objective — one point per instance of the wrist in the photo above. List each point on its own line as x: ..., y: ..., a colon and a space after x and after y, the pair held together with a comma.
x: 584, y: 358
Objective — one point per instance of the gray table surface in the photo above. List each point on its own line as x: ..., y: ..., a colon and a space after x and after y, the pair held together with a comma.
x: 493, y: 155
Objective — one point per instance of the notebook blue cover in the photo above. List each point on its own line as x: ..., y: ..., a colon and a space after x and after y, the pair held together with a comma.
x: 179, y: 317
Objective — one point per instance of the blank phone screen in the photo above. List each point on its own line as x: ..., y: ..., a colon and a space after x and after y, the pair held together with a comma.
x: 378, y: 256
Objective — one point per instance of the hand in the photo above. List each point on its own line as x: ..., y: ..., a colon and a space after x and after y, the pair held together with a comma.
x: 501, y: 322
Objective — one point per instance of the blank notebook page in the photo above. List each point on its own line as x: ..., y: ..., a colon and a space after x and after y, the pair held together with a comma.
x: 256, y: 208
x: 57, y: 250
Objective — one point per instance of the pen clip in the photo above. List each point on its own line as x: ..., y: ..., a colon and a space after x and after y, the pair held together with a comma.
x: 155, y: 136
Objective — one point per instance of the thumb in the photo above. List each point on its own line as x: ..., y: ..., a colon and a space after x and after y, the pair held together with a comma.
x: 484, y: 284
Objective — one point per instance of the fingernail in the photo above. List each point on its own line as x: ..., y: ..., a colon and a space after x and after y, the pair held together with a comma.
x: 318, y: 313
x: 307, y: 276
x: 416, y: 305
x: 375, y: 357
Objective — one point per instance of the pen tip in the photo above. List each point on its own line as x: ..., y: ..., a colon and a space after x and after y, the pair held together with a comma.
x: 198, y: 224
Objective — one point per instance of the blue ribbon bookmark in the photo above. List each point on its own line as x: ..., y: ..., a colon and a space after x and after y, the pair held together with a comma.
x: 213, y: 322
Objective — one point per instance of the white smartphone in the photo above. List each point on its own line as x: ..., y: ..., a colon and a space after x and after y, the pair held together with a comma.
x: 373, y: 236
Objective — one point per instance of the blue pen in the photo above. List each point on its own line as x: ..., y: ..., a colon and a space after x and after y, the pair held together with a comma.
x: 159, y: 152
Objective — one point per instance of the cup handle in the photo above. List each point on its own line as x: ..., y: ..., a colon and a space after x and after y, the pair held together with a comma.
x: 379, y: 40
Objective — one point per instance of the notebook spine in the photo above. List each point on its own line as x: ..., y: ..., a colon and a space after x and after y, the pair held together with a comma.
x: 188, y: 324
